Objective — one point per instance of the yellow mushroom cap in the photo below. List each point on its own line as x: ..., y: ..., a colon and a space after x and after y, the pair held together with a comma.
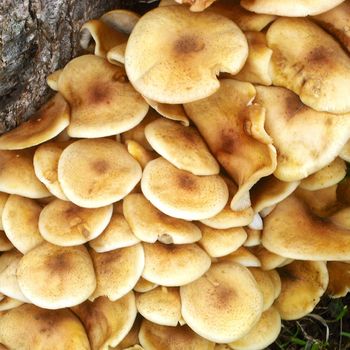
x: 142, y: 155
x: 102, y: 101
x: 55, y: 277
x: 117, y: 271
x: 121, y: 20
x: 289, y: 122
x: 254, y: 237
x: 263, y: 334
x: 44, y: 125
x: 309, y: 62
x: 224, y: 304
x: 174, y: 265
x: 269, y: 260
x: 17, y: 175
x: 181, y: 66
x: 52, y: 79
x: 220, y: 242
x: 181, y: 194
x: 117, y: 234
x: 155, y: 337
x: 5, y: 243
x: 161, y: 306
x: 143, y: 286
x: 303, y: 284
x: 339, y: 279
x: 276, y: 280
x: 243, y: 257
x: 182, y: 146
x: 149, y: 224
x: 65, y: 224
x: 293, y: 231
x: 97, y: 172
x: 29, y: 327
x: 107, y: 322
x: 20, y: 220
x: 8, y: 303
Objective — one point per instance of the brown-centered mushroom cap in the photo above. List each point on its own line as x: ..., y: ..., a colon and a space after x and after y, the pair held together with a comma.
x: 339, y: 279
x: 149, y: 224
x: 20, y: 220
x: 97, y: 172
x: 121, y: 20
x: 102, y: 101
x: 181, y: 194
x: 243, y: 257
x: 174, y: 265
x: 52, y: 79
x: 182, y: 64
x: 55, y: 277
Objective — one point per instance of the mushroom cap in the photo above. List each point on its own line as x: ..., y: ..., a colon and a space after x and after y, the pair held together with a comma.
x: 55, y: 277
x: 116, y: 55
x: 154, y: 337
x: 5, y: 243
x: 289, y: 122
x: 182, y: 64
x: 328, y: 176
x: 174, y: 265
x: 293, y: 231
x: 345, y: 152
x: 65, y: 224
x: 233, y: 127
x: 254, y: 237
x: 290, y: 8
x: 161, y: 306
x: 121, y: 20
x: 8, y: 303
x: 97, y: 172
x: 243, y: 257
x: 106, y: 105
x: 29, y: 327
x: 20, y: 220
x: 52, y: 79
x: 8, y: 280
x: 196, y: 5
x: 263, y: 334
x: 269, y: 260
x: 182, y: 146
x: 149, y: 224
x: 181, y: 194
x: 116, y: 235
x: 303, y: 284
x: 309, y: 62
x: 220, y: 242
x: 107, y: 322
x: 3, y: 199
x: 17, y: 175
x: 141, y: 154
x: 117, y: 271
x: 339, y: 279
x: 143, y: 286
x: 45, y: 124
x: 341, y: 218
x: 224, y: 304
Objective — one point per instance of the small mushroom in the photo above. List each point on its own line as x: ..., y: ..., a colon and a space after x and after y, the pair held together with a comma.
x: 339, y: 279
x: 116, y: 55
x: 141, y: 154
x: 52, y: 79
x: 243, y: 257
x: 121, y: 20
x: 269, y: 260
x: 143, y: 286
x: 254, y: 237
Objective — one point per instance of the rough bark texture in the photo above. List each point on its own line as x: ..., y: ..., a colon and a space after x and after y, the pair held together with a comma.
x: 38, y: 37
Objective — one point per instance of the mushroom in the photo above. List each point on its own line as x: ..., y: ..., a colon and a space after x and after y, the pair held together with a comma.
x: 155, y: 337
x: 52, y: 79
x: 97, y: 172
x: 55, y: 277
x: 65, y: 224
x: 276, y: 280
x: 29, y: 327
x: 106, y: 104
x: 345, y: 152
x: 182, y: 65
x: 254, y: 237
x: 5, y: 243
x: 290, y: 123
x: 141, y: 154
x: 143, y: 286
x: 48, y: 122
x: 149, y: 224
x: 117, y: 271
x: 224, y: 304
x: 116, y: 55
x: 303, y: 284
x: 309, y: 62
x: 233, y: 127
x: 268, y: 260
x: 263, y: 334
x: 243, y: 257
x: 174, y: 265
x: 161, y: 306
x: 107, y: 322
x: 339, y: 279
x: 181, y: 194
x: 20, y: 220
x: 121, y: 20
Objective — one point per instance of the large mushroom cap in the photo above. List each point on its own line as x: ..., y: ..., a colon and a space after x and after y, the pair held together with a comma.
x: 181, y: 194
x: 102, y: 102
x: 224, y: 304
x: 29, y: 327
x: 20, y: 219
x: 174, y: 265
x: 149, y: 224
x: 45, y: 124
x: 107, y: 322
x: 155, y: 337
x: 55, y: 277
x: 182, y: 64
x: 295, y: 128
x: 311, y: 63
x: 97, y: 172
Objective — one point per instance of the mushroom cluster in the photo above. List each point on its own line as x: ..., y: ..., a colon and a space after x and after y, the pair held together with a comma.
x: 185, y: 188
